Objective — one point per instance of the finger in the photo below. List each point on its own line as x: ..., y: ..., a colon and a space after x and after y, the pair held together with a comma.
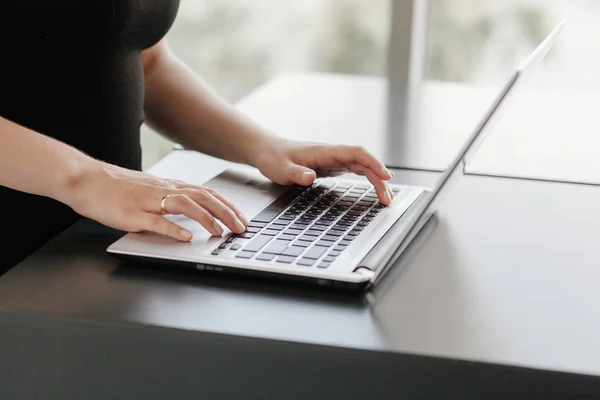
x: 160, y: 225
x: 382, y: 188
x: 301, y: 175
x: 181, y: 204
x: 229, y: 204
x: 218, y: 195
x: 357, y: 169
x: 359, y: 155
x: 218, y: 209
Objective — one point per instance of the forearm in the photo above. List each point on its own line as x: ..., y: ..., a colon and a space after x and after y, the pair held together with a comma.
x: 33, y: 163
x: 182, y: 107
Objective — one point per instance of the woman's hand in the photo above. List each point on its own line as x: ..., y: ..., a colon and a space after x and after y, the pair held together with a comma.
x: 131, y: 201
x: 287, y: 162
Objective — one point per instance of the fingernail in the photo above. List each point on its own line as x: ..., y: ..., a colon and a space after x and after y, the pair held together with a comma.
x: 243, y: 219
x: 387, y: 172
x: 218, y: 228
x: 186, y: 234
x: 239, y: 226
x: 387, y: 197
x: 306, y: 176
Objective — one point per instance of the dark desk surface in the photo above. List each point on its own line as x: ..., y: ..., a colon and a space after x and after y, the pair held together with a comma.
x: 509, y: 275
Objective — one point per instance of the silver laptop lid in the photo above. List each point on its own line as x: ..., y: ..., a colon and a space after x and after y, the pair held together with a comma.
x: 423, y: 209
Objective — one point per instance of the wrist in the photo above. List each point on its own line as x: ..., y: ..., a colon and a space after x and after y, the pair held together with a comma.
x: 73, y: 180
x: 258, y: 146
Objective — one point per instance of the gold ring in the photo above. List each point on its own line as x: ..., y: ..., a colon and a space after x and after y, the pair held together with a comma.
x: 163, y: 204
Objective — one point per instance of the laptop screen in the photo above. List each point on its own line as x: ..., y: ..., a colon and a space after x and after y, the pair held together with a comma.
x: 424, y: 209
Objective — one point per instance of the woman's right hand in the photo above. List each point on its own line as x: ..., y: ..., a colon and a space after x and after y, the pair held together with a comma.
x: 131, y: 201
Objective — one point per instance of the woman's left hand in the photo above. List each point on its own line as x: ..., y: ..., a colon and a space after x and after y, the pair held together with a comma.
x: 289, y: 162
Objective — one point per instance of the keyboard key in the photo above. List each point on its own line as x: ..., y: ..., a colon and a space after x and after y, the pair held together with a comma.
x: 266, y: 215
x: 315, y: 252
x: 265, y: 257
x: 293, y: 251
x: 270, y: 232
x: 276, y: 247
x: 334, y: 253
x: 339, y: 248
x: 312, y: 232
x: 323, y: 223
x: 329, y: 259
x: 298, y: 226
x: 334, y: 232
x: 345, y: 243
x: 256, y: 224
x: 252, y: 229
x: 216, y: 252
x: 359, y: 228
x: 281, y: 222
x: 318, y: 228
x: 322, y: 243
x: 236, y: 247
x: 245, y: 254
x: 257, y: 243
x: 323, y: 265
x: 285, y: 259
x: 286, y: 237
x: 247, y: 235
x: 276, y: 227
x: 306, y: 262
x: 306, y: 238
x: 301, y: 244
x: 285, y: 217
x: 327, y: 184
x: 329, y: 238
x: 343, y: 223
x: 294, y: 232
x: 348, y: 238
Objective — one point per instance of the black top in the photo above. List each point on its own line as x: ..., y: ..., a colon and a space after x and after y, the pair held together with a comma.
x: 71, y: 69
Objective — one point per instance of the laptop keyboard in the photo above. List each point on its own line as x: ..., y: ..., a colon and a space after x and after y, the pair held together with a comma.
x: 307, y: 226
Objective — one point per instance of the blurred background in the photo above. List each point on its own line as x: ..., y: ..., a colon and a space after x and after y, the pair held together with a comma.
x: 237, y: 45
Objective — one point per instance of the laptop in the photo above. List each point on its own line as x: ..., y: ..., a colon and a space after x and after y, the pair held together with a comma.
x: 333, y: 233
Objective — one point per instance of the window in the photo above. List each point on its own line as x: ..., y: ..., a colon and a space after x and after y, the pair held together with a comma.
x: 551, y: 133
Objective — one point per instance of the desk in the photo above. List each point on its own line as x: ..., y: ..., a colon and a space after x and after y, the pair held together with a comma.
x: 499, y: 300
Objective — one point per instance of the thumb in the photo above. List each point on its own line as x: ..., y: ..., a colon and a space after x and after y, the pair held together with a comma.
x: 301, y: 175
